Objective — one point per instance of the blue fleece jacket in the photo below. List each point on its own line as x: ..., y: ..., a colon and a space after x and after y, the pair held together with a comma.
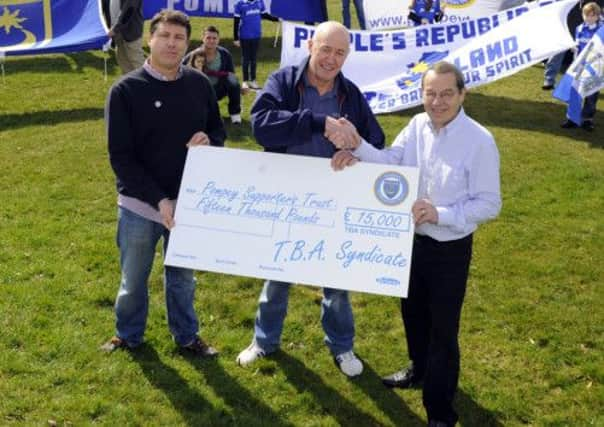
x: 279, y: 120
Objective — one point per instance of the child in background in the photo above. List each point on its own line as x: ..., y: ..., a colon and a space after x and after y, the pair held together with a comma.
x: 198, y: 59
x: 583, y: 34
x: 247, y: 30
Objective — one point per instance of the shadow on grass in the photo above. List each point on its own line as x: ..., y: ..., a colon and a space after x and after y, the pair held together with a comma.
x: 44, y: 118
x: 537, y: 116
x: 246, y: 409
x: 191, y: 405
x: 330, y: 400
x: 386, y: 399
x: 472, y: 414
x: 58, y: 63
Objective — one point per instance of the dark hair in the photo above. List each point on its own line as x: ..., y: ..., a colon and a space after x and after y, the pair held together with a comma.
x: 444, y: 67
x: 211, y: 29
x: 200, y: 52
x: 173, y: 17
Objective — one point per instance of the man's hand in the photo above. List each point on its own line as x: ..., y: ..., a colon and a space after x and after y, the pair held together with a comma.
x: 424, y: 212
x: 342, y: 159
x: 236, y: 43
x: 110, y: 34
x: 342, y: 133
x: 198, y: 138
x: 166, y: 211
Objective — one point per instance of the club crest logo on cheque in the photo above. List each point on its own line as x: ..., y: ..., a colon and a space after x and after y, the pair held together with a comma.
x: 391, y: 188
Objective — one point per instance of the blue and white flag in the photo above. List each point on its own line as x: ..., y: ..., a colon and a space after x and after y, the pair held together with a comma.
x: 388, y: 65
x: 29, y: 27
x: 584, y: 77
x: 293, y: 10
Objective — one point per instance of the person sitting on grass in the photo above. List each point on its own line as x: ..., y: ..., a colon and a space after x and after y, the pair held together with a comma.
x: 219, y: 68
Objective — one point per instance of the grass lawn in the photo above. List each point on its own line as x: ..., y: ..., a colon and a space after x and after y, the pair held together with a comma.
x: 532, y: 328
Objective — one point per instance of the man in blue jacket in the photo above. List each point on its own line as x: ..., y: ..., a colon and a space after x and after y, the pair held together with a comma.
x: 305, y: 110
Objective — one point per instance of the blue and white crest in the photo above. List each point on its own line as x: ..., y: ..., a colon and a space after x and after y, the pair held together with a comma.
x: 391, y: 188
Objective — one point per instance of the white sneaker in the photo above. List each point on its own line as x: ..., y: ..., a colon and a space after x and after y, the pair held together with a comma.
x: 254, y: 85
x: 236, y: 119
x: 349, y: 364
x: 250, y: 354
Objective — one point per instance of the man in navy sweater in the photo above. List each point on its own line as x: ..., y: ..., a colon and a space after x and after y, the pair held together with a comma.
x: 153, y: 115
x: 305, y: 110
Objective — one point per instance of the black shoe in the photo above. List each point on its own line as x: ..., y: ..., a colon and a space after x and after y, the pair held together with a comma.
x: 436, y: 423
x: 567, y: 124
x: 406, y: 378
x: 199, y: 348
x: 547, y: 87
x: 588, y: 125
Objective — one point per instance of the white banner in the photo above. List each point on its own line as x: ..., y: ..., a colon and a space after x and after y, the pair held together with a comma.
x: 348, y: 230
x: 386, y: 14
x: 388, y: 65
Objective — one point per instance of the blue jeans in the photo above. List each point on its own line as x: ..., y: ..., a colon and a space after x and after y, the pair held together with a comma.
x: 137, y: 238
x: 358, y: 5
x: 229, y: 86
x: 552, y: 68
x: 336, y: 317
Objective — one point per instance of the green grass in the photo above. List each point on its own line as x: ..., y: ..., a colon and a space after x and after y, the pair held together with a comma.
x: 531, y: 333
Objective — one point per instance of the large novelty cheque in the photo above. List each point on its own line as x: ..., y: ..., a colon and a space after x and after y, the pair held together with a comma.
x: 292, y: 218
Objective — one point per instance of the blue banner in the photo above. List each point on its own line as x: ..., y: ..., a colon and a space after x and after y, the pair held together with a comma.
x: 291, y: 10
x: 29, y: 27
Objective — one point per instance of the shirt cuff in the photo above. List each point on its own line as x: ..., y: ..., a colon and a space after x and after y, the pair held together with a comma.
x: 363, y: 150
x: 446, y: 216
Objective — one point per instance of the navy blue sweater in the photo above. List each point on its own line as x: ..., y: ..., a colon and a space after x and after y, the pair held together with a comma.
x: 149, y: 123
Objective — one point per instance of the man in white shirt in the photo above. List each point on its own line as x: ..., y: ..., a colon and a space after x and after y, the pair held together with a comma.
x: 458, y: 189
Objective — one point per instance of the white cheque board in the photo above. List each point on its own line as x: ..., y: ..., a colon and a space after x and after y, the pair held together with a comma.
x: 293, y: 219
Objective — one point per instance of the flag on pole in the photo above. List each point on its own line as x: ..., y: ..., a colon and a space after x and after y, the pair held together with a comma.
x: 29, y: 27
x: 584, y: 77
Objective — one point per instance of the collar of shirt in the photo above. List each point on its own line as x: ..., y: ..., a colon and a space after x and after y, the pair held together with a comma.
x: 157, y: 75
x: 308, y: 86
x: 451, y: 126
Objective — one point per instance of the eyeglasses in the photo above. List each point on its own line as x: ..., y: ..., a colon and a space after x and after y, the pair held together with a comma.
x: 445, y: 95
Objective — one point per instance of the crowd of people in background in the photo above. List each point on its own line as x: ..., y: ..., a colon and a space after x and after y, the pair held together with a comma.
x: 125, y: 21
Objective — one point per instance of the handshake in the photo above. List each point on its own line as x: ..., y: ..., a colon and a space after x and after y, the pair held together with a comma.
x: 341, y: 133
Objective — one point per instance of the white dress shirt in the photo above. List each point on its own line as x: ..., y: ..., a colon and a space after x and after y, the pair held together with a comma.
x: 458, y: 171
